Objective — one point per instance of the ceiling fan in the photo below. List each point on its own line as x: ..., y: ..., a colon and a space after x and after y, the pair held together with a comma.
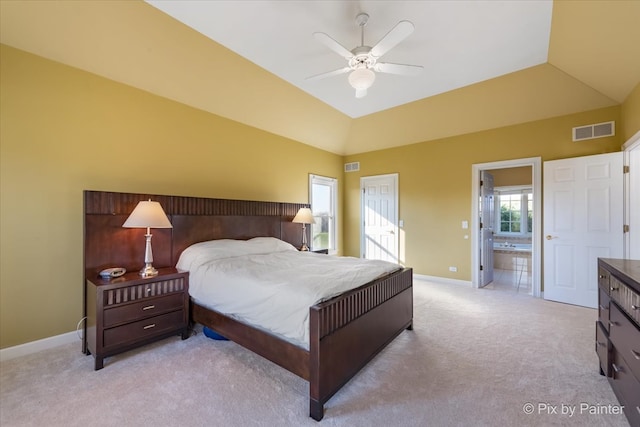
x: 363, y: 60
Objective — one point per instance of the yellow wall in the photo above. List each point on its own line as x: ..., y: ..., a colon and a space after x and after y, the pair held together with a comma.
x: 63, y: 131
x: 435, y: 184
x: 631, y: 114
x: 512, y: 176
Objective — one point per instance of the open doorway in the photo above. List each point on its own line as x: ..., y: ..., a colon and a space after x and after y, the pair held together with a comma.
x: 534, y: 165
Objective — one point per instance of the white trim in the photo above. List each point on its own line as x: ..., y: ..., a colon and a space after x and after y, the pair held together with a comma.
x: 333, y: 183
x: 37, y: 346
x: 536, y: 235
x: 444, y: 280
x: 632, y: 143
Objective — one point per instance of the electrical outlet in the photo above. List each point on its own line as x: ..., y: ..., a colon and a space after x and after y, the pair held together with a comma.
x: 454, y: 269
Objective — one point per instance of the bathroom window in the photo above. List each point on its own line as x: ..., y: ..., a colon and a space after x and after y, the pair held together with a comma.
x: 323, y: 196
x: 514, y: 206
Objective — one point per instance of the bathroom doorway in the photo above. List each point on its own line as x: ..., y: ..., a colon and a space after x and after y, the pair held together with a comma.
x: 516, y: 242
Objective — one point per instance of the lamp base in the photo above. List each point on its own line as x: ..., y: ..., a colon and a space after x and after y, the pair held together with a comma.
x: 148, y: 271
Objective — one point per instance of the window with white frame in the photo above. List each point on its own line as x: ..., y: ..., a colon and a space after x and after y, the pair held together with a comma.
x: 514, y: 208
x: 323, y: 196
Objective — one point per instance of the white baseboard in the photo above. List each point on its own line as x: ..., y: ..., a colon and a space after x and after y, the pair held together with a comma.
x: 442, y: 280
x: 37, y: 346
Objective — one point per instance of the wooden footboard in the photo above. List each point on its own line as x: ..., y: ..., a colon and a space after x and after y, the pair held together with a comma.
x: 346, y: 332
x: 349, y: 330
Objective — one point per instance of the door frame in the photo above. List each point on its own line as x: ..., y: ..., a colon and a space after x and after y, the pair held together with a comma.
x: 630, y: 218
x: 363, y: 179
x: 536, y: 235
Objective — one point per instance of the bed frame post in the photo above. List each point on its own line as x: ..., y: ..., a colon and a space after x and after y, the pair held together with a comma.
x: 347, y: 331
x: 316, y: 404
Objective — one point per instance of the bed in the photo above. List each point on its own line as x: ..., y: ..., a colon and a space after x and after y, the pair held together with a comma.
x: 346, y: 329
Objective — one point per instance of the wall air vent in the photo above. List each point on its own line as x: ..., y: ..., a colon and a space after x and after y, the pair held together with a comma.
x: 599, y: 130
x: 352, y: 167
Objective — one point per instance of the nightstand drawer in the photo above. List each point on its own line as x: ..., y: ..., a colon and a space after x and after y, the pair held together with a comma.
x: 148, y: 307
x: 625, y: 337
x: 149, y: 289
x: 144, y: 328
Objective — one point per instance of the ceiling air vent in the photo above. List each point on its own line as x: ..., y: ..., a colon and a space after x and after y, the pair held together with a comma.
x: 598, y: 130
x: 352, y: 167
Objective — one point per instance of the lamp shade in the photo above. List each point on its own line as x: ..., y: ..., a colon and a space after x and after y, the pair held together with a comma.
x: 361, y: 78
x: 148, y: 214
x: 304, y: 216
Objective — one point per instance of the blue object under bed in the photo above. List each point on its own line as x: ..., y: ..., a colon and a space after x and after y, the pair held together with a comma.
x: 213, y: 334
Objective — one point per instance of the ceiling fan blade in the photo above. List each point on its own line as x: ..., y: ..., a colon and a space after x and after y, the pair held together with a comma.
x: 333, y: 45
x: 398, y: 33
x: 401, y: 69
x: 329, y: 74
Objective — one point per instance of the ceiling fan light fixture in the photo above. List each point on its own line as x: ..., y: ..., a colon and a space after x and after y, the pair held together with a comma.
x: 361, y: 78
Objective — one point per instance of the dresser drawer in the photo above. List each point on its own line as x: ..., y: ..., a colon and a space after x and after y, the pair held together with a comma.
x: 142, y: 329
x: 146, y: 308
x: 603, y: 308
x: 629, y: 301
x: 625, y: 337
x: 603, y: 348
x: 603, y: 279
x: 626, y: 387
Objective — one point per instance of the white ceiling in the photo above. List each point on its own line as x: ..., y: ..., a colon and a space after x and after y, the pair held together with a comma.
x: 458, y: 43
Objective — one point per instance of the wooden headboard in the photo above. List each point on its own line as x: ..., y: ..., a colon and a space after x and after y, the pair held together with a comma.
x: 194, y: 219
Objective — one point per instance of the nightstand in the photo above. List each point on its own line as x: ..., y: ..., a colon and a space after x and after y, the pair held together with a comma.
x: 131, y: 311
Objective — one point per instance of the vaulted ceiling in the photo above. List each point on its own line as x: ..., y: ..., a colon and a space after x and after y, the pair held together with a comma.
x: 487, y: 64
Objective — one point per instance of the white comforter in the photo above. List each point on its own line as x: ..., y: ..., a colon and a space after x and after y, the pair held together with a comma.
x: 267, y: 283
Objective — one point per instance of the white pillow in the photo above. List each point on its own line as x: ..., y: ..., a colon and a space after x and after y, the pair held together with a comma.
x: 265, y: 245
x: 202, y: 252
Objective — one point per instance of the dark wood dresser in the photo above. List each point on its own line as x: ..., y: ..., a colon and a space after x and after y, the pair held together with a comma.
x: 130, y: 311
x: 618, y: 331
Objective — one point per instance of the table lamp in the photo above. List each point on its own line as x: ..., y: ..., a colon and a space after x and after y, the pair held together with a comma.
x: 148, y: 214
x: 304, y: 217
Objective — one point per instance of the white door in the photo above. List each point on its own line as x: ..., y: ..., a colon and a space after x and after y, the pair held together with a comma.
x: 486, y: 228
x: 582, y: 222
x: 379, y: 217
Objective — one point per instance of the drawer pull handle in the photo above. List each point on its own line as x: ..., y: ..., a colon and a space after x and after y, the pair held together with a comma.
x: 635, y: 307
x: 601, y: 344
x: 153, y: 325
x: 613, y: 288
x: 602, y: 276
x: 617, y: 368
x: 635, y: 354
x: 613, y: 323
x: 149, y: 290
x: 149, y: 307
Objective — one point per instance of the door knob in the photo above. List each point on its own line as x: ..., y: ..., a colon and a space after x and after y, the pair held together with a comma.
x: 549, y: 237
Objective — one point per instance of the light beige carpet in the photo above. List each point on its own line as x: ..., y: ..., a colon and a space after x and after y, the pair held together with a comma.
x: 474, y: 358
